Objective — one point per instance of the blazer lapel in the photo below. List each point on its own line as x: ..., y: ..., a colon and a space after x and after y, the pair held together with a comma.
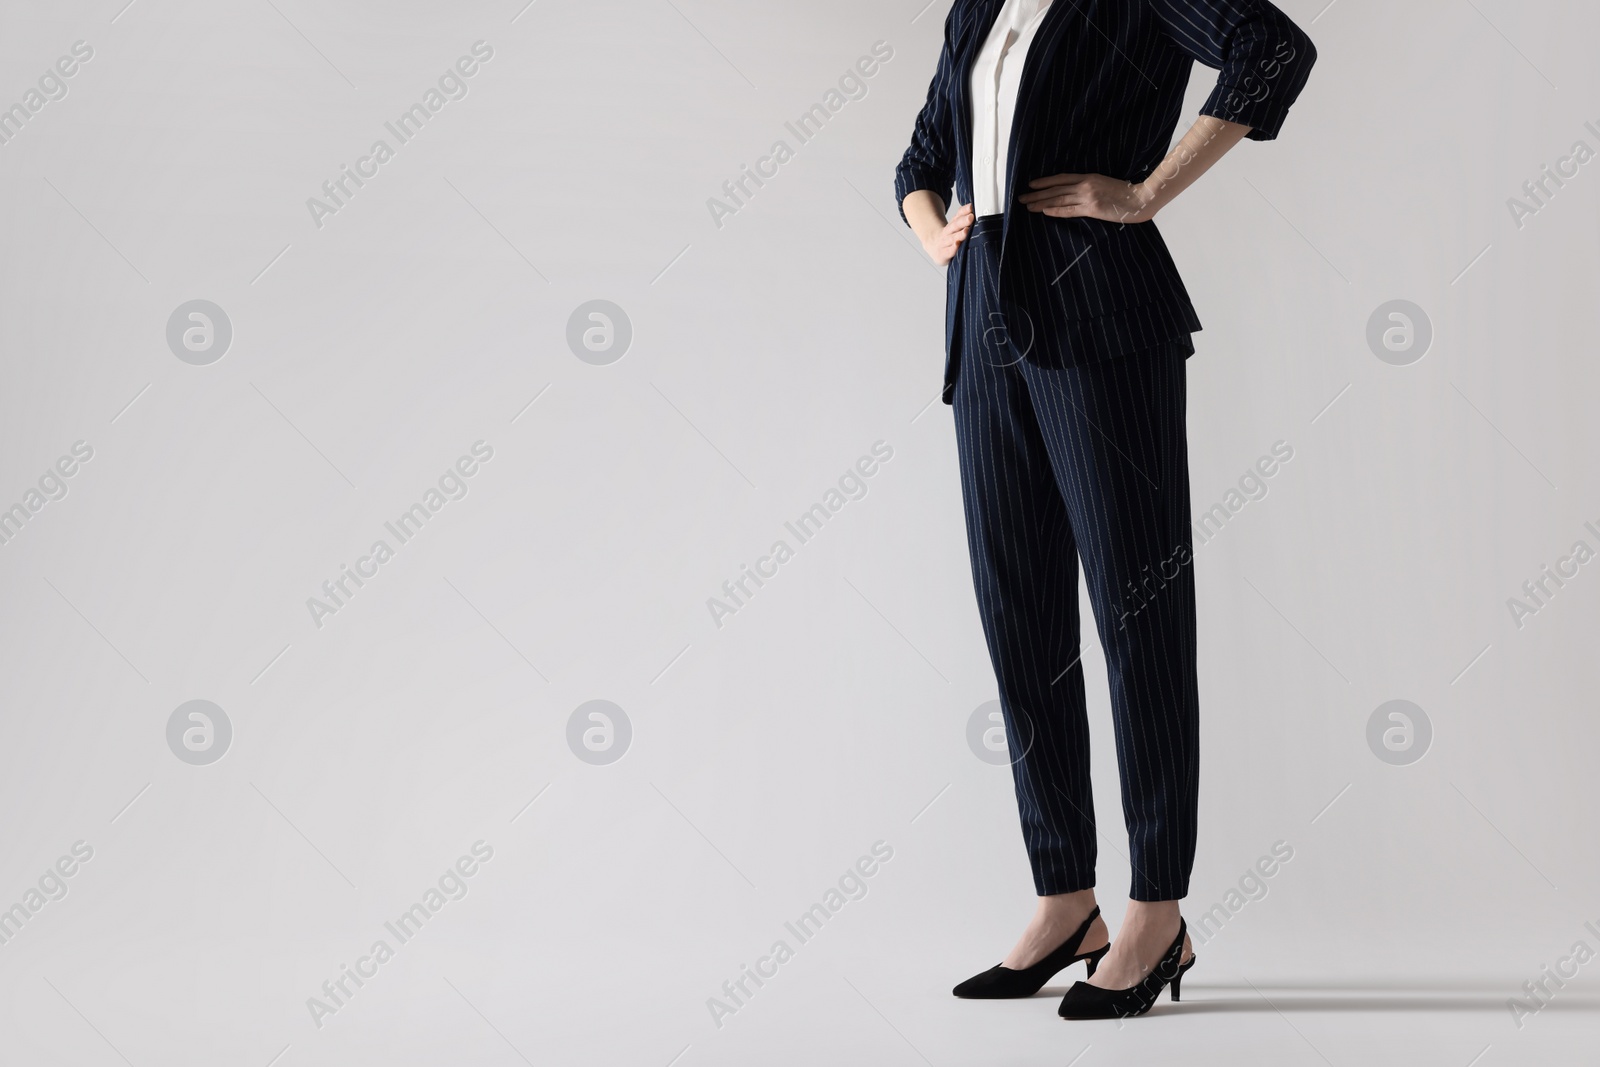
x: 1039, y: 53
x: 984, y: 13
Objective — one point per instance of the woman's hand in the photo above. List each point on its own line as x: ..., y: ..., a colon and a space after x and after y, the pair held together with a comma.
x: 940, y: 238
x: 942, y: 244
x: 1092, y: 196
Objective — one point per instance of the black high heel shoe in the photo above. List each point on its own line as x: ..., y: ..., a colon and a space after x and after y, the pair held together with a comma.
x: 1004, y: 983
x: 1085, y: 1001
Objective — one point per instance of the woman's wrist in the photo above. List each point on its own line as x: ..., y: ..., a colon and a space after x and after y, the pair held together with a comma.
x: 1148, y: 198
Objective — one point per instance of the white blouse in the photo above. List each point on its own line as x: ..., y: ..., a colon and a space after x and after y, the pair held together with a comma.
x: 996, y: 73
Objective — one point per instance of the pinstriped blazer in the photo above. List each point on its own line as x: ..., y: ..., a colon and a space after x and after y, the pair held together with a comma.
x: 1101, y: 91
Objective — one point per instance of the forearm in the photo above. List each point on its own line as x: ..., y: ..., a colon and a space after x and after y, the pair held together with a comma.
x: 1097, y: 196
x: 925, y: 212
x: 1207, y: 141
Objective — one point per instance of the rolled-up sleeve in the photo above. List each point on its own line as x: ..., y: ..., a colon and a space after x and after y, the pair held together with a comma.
x: 930, y: 160
x: 1263, y: 59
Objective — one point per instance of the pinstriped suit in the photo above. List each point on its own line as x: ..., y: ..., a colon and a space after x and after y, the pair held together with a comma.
x: 1066, y: 343
x: 1101, y: 91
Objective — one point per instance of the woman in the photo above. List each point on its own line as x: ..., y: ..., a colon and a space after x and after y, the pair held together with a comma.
x: 1067, y: 331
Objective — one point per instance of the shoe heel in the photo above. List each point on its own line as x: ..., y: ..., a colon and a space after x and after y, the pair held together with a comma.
x: 1093, y: 961
x: 1177, y: 980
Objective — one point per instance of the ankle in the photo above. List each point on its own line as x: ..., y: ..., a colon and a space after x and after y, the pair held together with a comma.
x: 1062, y: 906
x: 1055, y: 919
x: 1154, y: 912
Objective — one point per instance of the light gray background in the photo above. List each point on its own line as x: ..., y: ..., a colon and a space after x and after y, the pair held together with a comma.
x: 830, y: 713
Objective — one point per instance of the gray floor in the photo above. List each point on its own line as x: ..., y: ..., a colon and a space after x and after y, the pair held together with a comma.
x: 560, y: 733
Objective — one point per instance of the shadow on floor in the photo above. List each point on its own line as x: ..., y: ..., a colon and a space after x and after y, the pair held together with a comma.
x: 1418, y: 995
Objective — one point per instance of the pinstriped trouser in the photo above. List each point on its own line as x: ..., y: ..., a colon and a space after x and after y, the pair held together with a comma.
x: 1056, y: 464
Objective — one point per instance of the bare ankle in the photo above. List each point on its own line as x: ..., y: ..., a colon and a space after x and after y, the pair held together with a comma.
x: 1067, y: 903
x: 1056, y: 917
